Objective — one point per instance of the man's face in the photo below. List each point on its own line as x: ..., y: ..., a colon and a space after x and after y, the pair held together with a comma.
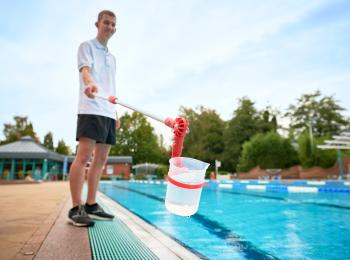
x: 106, y: 26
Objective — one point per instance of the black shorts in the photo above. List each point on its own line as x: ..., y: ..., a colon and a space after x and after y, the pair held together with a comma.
x: 99, y: 128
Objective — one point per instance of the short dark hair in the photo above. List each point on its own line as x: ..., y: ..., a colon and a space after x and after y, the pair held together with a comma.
x: 107, y: 12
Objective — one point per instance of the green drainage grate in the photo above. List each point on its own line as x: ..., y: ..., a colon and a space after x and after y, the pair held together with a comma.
x: 114, y: 240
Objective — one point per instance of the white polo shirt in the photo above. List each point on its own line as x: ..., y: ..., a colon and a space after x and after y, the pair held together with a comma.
x: 102, y: 66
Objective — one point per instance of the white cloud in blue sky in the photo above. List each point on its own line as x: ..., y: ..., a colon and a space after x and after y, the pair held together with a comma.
x: 173, y: 53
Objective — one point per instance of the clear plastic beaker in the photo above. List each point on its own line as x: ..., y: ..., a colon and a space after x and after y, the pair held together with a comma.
x: 185, y: 183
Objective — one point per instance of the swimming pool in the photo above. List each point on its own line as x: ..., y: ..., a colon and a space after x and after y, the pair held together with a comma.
x: 233, y: 224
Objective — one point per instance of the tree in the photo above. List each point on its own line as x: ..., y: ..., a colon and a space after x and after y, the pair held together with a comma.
x: 274, y: 124
x: 162, y: 171
x: 136, y: 137
x: 165, y: 151
x: 21, y: 128
x: 322, y: 113
x: 205, y: 138
x: 243, y: 125
x: 62, y: 148
x: 268, y: 120
x: 267, y: 150
x: 48, y: 141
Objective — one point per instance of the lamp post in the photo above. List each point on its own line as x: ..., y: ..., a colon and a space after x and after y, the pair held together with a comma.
x: 217, y: 165
x: 311, y: 136
x: 340, y: 162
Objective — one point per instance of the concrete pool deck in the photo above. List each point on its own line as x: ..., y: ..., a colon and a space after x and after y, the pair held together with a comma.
x: 34, y: 225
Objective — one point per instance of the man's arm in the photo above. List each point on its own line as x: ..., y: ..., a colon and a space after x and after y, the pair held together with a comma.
x: 91, y: 86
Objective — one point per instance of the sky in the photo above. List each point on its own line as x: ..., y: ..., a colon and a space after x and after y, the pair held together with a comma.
x: 173, y: 53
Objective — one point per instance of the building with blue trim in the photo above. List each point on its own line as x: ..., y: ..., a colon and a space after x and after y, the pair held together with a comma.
x: 25, y: 157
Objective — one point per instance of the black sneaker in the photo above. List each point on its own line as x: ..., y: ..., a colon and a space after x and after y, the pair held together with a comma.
x: 79, y: 217
x: 96, y: 212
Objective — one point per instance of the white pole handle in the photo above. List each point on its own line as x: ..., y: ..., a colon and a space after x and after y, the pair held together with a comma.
x: 160, y: 119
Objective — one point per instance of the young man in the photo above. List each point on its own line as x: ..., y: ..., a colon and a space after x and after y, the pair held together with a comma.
x: 97, y: 120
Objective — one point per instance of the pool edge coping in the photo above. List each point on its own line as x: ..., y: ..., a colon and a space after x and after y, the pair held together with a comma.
x: 159, y: 243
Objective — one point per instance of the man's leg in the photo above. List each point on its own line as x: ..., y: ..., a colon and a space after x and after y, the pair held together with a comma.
x: 77, y: 170
x: 91, y: 207
x: 100, y: 158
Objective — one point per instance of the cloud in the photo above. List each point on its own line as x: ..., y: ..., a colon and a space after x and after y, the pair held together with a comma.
x: 170, y: 54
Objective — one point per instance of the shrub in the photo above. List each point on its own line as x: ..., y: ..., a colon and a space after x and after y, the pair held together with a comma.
x: 315, y: 157
x: 20, y: 175
x: 162, y: 171
x: 6, y: 174
x: 105, y: 178
x: 267, y: 150
x: 140, y: 176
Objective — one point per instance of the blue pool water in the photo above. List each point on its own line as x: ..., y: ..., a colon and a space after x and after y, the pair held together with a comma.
x: 247, y: 225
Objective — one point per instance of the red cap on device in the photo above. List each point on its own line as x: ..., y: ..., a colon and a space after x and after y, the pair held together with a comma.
x: 180, y: 131
x: 112, y: 99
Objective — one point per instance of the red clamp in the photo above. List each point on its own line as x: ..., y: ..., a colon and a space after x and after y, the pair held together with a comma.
x: 112, y: 99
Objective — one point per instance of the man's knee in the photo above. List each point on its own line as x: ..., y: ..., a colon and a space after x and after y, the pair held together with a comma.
x: 101, y: 160
x: 82, y: 159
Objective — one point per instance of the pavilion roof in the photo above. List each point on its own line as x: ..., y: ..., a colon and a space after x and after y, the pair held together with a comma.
x: 27, y: 148
x: 111, y: 159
